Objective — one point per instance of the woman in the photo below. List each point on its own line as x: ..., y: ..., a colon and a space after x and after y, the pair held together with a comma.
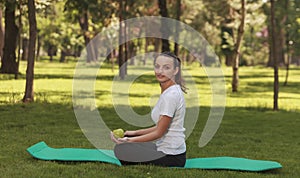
x: 169, y: 148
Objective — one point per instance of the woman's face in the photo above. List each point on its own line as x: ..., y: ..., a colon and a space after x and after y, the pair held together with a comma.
x: 164, y: 69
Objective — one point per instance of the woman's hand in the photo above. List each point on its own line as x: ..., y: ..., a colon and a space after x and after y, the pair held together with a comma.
x: 118, y: 140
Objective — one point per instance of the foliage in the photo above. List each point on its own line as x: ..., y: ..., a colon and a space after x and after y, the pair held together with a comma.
x: 100, y: 12
x: 59, y: 34
x: 225, y: 15
x: 205, y: 16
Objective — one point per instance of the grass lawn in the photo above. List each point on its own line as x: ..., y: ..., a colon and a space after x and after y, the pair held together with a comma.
x: 249, y: 128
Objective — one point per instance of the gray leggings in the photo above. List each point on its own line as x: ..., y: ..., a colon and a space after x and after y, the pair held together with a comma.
x: 146, y: 153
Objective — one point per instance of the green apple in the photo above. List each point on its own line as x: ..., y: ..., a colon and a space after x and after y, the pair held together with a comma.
x: 118, y: 133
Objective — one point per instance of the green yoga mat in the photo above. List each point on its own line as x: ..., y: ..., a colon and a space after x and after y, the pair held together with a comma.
x: 42, y: 151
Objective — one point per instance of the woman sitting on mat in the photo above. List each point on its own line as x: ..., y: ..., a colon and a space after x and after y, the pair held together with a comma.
x: 169, y: 149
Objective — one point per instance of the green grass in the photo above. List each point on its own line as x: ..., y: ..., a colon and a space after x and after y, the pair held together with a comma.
x: 249, y: 129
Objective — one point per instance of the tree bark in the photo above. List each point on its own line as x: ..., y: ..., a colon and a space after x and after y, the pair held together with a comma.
x: 63, y: 55
x: 84, y: 24
x: 1, y: 35
x: 227, y: 33
x: 29, y: 92
x: 178, y: 14
x: 280, y: 22
x: 274, y: 49
x: 164, y: 29
x: 125, y: 7
x: 287, y: 67
x: 51, y: 52
x: 9, y: 63
x: 227, y: 51
x: 236, y: 51
x: 288, y: 55
x: 39, y: 45
x: 25, y: 43
x: 19, y: 38
x: 121, y: 59
x: 147, y: 39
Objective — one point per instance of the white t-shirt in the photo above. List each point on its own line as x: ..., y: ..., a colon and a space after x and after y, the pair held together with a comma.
x: 171, y: 103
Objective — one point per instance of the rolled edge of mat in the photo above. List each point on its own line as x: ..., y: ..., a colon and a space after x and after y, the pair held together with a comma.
x: 37, y: 147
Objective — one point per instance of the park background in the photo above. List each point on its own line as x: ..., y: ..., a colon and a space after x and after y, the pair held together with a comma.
x: 257, y: 43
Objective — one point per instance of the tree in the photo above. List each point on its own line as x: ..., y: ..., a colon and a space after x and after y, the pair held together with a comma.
x: 81, y: 12
x: 48, y: 29
x: 121, y: 57
x: 86, y: 13
x: 232, y: 15
x: 9, y: 63
x: 218, y: 22
x: 29, y: 92
x: 280, y: 18
x: 178, y: 10
x: 164, y: 28
x: 128, y: 9
x: 292, y: 33
x: 274, y: 49
x: 236, y: 50
x: 1, y: 34
x: 287, y: 61
x: 227, y: 35
x: 19, y: 37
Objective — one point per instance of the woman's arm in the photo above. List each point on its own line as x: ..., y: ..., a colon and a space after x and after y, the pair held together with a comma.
x: 152, y: 133
x: 133, y: 133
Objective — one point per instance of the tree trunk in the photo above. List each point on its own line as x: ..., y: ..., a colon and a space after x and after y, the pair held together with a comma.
x: 25, y: 43
x: 203, y: 55
x: 280, y: 20
x: 236, y: 52
x: 122, y: 68
x: 287, y: 69
x: 157, y: 45
x: 288, y: 55
x: 1, y: 35
x: 164, y: 29
x: 29, y: 93
x: 228, y: 58
x: 51, y: 52
x: 270, y: 62
x: 84, y: 24
x: 125, y: 42
x: 9, y: 63
x: 227, y: 51
x: 178, y: 14
x: 63, y: 55
x: 281, y: 46
x: 19, y: 37
x: 274, y: 49
x: 147, y: 39
x: 132, y: 53
x: 38, y: 49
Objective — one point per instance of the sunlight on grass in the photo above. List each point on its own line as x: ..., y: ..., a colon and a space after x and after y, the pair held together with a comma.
x: 53, y: 81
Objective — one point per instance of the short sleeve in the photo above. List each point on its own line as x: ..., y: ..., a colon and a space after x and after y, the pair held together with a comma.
x: 168, y: 105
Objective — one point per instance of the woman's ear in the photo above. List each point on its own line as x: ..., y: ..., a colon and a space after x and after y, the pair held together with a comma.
x: 176, y: 70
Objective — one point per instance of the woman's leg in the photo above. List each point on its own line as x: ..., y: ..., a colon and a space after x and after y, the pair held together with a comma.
x: 170, y: 161
x: 137, y: 152
x: 146, y: 153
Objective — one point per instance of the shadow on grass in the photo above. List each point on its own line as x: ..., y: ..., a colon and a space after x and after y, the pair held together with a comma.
x: 292, y: 87
x: 43, y: 97
x: 263, y: 88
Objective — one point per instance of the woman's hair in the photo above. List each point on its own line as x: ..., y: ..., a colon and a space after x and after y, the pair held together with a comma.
x: 177, y: 63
